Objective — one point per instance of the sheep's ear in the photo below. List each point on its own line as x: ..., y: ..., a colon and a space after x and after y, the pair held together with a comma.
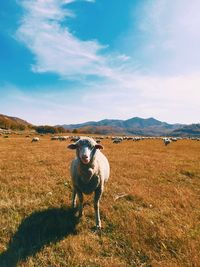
x: 98, y: 146
x: 72, y: 146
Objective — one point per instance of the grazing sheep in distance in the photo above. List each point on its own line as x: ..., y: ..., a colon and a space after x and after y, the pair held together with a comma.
x: 63, y: 138
x: 166, y: 141
x: 117, y: 140
x: 35, y: 139
x: 55, y: 138
x: 137, y: 138
x: 89, y: 170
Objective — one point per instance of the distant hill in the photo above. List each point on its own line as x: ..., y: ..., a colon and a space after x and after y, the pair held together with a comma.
x: 13, y: 123
x: 17, y: 124
x: 133, y: 126
x: 188, y: 130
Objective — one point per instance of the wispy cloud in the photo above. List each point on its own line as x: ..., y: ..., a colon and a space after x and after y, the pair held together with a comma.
x: 55, y: 48
x: 91, y: 1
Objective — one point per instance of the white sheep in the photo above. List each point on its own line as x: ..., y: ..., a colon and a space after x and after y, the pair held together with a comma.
x: 89, y: 170
x: 35, y: 139
x: 166, y: 141
x: 55, y: 138
x: 117, y: 141
x: 63, y: 138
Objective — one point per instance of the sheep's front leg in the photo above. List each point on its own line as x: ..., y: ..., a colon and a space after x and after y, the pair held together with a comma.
x: 74, y: 196
x: 97, y: 196
x: 80, y: 196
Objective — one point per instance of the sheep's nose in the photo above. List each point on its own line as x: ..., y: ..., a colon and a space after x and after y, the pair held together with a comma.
x: 85, y: 159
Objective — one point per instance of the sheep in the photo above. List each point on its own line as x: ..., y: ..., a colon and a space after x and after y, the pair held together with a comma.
x: 174, y: 139
x: 166, y: 141
x: 55, y: 138
x: 89, y: 170
x: 117, y: 137
x: 35, y: 139
x: 62, y: 138
x: 117, y: 141
x: 136, y: 138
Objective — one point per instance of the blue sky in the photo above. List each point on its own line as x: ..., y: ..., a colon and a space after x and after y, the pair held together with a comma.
x: 71, y: 61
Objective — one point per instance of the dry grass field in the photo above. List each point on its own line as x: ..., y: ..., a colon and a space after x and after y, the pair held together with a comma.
x: 155, y: 223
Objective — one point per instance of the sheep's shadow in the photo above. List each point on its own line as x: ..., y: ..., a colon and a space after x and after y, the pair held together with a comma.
x: 37, y: 230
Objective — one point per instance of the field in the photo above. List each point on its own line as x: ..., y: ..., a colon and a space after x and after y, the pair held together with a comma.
x: 150, y: 209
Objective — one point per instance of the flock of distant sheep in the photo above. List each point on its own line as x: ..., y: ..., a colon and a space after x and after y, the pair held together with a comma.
x: 114, y: 139
x: 117, y: 139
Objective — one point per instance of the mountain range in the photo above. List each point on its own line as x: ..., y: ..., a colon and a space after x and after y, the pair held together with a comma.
x: 132, y: 126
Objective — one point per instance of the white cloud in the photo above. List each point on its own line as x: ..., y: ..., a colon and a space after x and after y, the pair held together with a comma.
x: 55, y: 48
x: 91, y: 1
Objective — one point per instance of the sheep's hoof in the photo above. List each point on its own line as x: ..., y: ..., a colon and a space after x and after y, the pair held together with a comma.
x: 98, y: 230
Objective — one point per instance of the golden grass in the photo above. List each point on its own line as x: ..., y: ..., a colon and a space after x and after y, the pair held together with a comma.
x: 156, y: 222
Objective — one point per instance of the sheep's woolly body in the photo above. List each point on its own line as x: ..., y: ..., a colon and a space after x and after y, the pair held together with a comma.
x: 88, y: 177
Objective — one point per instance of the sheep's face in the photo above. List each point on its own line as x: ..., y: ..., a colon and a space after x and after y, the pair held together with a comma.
x: 85, y: 149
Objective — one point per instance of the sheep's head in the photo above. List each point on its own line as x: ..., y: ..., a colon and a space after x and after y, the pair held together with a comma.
x: 85, y: 148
